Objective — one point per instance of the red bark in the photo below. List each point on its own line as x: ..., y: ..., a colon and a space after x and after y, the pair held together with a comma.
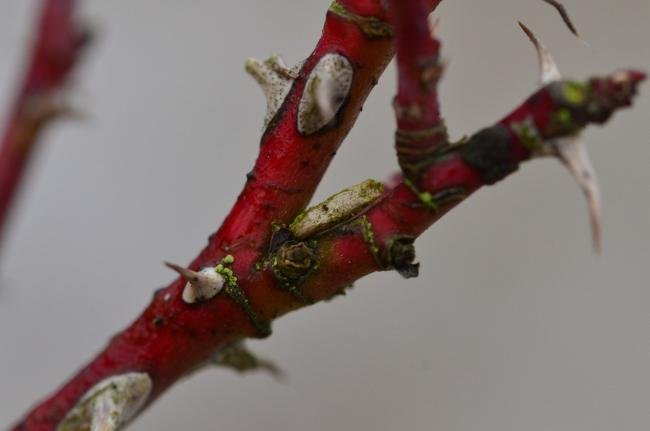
x: 172, y: 337
x: 420, y: 129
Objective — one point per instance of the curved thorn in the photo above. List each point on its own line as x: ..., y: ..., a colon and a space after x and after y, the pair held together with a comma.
x: 548, y: 70
x: 573, y: 154
x: 564, y: 14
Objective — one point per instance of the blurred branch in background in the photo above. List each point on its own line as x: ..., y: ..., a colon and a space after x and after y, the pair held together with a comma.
x: 42, y: 96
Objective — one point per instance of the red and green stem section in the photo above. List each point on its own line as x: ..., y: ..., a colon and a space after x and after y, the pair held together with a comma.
x: 273, y: 270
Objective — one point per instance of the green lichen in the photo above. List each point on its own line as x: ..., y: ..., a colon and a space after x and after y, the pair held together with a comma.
x: 528, y: 134
x: 425, y: 197
x: 575, y: 92
x: 563, y: 117
x: 370, y: 26
x: 564, y: 122
x: 369, y: 238
x: 296, y: 221
x: 238, y: 295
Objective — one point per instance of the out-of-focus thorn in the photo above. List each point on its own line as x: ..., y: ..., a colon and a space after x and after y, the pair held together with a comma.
x: 573, y: 154
x: 564, y: 14
x: 68, y: 104
x: 434, y: 27
x: 56, y: 104
x: 548, y: 70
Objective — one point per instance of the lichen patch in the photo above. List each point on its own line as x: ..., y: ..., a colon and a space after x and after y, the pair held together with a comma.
x: 337, y: 209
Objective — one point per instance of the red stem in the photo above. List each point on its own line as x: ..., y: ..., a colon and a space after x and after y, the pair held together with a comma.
x: 287, y: 171
x: 420, y: 129
x: 172, y: 337
x: 56, y: 50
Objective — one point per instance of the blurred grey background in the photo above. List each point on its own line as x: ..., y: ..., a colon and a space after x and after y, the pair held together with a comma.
x: 513, y: 324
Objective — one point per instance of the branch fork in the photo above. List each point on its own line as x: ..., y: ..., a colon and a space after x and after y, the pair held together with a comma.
x: 273, y: 255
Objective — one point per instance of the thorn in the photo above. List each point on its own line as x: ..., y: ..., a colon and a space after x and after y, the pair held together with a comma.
x: 573, y: 154
x: 564, y: 14
x: 187, y: 274
x: 201, y: 286
x: 275, y: 78
x: 281, y: 69
x: 326, y: 89
x: 57, y: 104
x: 434, y: 27
x: 548, y: 70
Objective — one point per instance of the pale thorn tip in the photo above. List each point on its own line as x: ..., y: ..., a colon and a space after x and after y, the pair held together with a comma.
x: 573, y: 154
x: 434, y: 26
x: 548, y: 69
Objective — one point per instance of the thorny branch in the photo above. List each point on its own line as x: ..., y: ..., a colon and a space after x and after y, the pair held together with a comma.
x: 271, y: 256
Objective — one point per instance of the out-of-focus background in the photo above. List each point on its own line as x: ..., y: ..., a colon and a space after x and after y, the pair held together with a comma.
x: 513, y: 323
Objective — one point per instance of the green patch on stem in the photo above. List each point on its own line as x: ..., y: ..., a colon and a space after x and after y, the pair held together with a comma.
x: 528, y: 134
x: 425, y: 198
x: 371, y: 26
x: 238, y: 295
x: 574, y: 92
x: 433, y: 201
x: 563, y: 120
x: 369, y: 238
x: 563, y: 117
